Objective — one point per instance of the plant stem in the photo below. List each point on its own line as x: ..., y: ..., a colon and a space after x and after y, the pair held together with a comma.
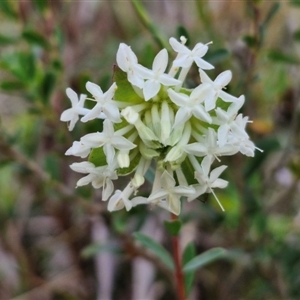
x: 177, y: 261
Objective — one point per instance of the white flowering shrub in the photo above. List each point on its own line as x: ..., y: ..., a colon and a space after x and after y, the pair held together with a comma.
x: 150, y: 118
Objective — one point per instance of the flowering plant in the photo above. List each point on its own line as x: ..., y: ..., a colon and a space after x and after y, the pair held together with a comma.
x: 151, y: 119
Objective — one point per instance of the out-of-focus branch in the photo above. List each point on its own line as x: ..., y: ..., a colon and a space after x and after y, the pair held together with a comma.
x: 15, y: 155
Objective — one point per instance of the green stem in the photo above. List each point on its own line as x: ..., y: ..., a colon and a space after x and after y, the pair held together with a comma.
x: 143, y: 16
x: 178, y: 266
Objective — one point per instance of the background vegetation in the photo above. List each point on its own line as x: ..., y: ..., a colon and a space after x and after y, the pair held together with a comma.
x: 58, y: 242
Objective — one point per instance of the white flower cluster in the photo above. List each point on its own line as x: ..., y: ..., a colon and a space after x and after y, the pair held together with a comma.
x: 148, y: 119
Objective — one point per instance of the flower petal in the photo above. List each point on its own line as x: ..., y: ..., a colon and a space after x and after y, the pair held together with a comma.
x: 151, y: 88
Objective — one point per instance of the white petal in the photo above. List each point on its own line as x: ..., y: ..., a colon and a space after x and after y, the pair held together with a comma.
x: 112, y: 112
x: 178, y: 98
x: 183, y: 61
x: 197, y: 149
x: 94, y: 89
x: 167, y: 80
x: 144, y: 72
x: 204, y: 77
x: 167, y: 181
x: 200, y: 50
x: 115, y: 201
x: 109, y: 152
x: 178, y: 47
x: 93, y: 114
x: 215, y: 173
x: 151, y: 88
x: 200, y: 113
x: 201, y: 63
x: 223, y: 79
x: 82, y: 167
x: 108, y: 189
x: 122, y: 143
x: 223, y: 134
x: 220, y: 183
x: 86, y: 180
x: 227, y: 97
x: 199, y: 190
x: 205, y: 165
x: 182, y: 115
x: 160, y: 62
x: 72, y: 96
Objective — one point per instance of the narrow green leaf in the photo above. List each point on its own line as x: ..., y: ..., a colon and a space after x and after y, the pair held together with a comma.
x: 279, y: 57
x: 204, y: 259
x: 173, y: 227
x: 154, y: 246
x: 271, y: 13
x: 33, y: 37
x: 6, y: 40
x: 95, y: 248
x: 47, y: 86
x: 188, y: 254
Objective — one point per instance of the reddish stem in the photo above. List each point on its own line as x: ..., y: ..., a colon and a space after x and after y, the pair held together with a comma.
x: 178, y: 267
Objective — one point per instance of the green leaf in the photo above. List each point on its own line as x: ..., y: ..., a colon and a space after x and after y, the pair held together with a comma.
x: 297, y: 35
x: 154, y: 246
x: 94, y: 248
x: 250, y: 41
x: 41, y: 5
x: 125, y: 91
x: 98, y: 157
x: 173, y: 227
x: 204, y: 259
x: 7, y: 9
x: 6, y: 40
x: 188, y: 254
x: 181, y: 31
x: 279, y: 57
x: 11, y: 86
x: 188, y: 171
x: 271, y: 13
x: 217, y: 56
x: 295, y: 2
x: 47, y: 86
x: 33, y: 37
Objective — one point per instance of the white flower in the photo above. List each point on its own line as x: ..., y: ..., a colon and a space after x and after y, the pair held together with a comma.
x: 227, y: 122
x: 109, y: 140
x: 72, y: 114
x: 217, y: 85
x: 121, y: 199
x: 79, y: 149
x: 104, y: 104
x: 186, y: 56
x: 191, y: 105
x: 168, y: 196
x: 156, y: 77
x: 209, y: 146
x: 207, y: 182
x: 127, y: 61
x: 98, y: 176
